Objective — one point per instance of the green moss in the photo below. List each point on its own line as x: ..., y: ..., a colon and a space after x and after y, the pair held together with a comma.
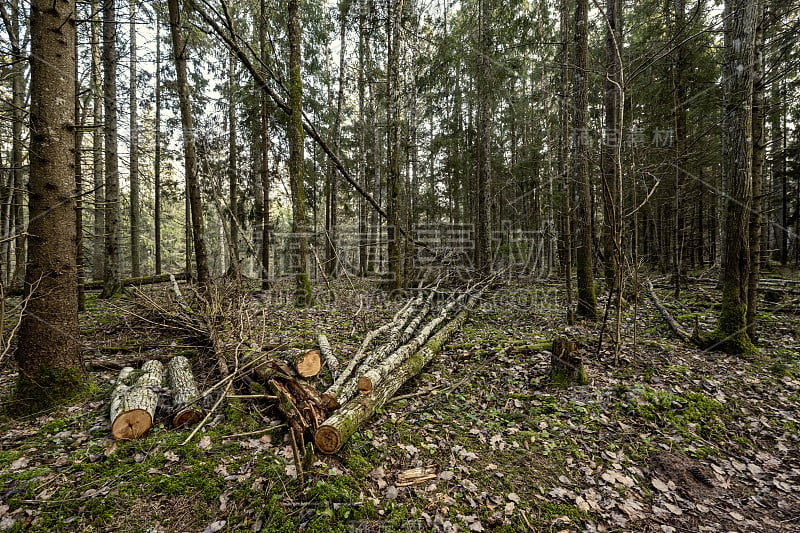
x: 731, y: 333
x: 550, y: 512
x: 63, y: 385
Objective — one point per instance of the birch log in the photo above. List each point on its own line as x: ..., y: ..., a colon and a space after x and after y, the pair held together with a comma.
x: 374, y: 375
x: 327, y: 355
x: 340, y: 426
x: 133, y: 409
x: 184, y: 393
x: 331, y: 397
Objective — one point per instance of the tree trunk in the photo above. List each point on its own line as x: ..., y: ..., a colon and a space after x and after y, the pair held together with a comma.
x: 157, y: 156
x: 98, y: 250
x: 112, y: 198
x: 613, y: 136
x: 265, y: 143
x: 731, y: 334
x: 394, y: 246
x: 48, y: 355
x: 233, y: 171
x: 303, y: 294
x: 587, y: 303
x: 756, y: 222
x: 563, y: 161
x: 483, y: 189
x: 135, y: 207
x: 190, y: 156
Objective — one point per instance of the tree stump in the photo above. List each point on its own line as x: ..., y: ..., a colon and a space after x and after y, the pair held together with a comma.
x: 566, y: 364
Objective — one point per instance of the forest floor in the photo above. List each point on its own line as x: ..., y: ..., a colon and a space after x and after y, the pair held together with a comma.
x: 671, y: 439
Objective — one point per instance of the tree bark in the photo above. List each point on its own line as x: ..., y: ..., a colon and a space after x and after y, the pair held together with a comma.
x: 587, y: 302
x: 233, y: 171
x: 264, y: 145
x: 483, y: 189
x: 157, y: 156
x: 303, y: 293
x: 756, y: 221
x: 731, y: 334
x: 185, y: 411
x: 112, y: 209
x: 135, y: 203
x: 190, y: 156
x: 566, y: 364
x: 98, y: 251
x: 48, y: 355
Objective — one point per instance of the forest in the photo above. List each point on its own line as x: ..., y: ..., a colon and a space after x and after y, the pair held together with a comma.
x: 400, y: 265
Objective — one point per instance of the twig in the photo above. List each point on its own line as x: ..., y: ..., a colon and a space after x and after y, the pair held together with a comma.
x: 252, y: 433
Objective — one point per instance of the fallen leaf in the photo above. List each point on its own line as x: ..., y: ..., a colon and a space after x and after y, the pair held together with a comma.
x: 20, y: 463
x: 205, y: 443
x: 215, y: 526
x: 659, y: 485
x: 391, y: 493
x: 514, y: 497
x: 171, y: 456
x: 736, y: 516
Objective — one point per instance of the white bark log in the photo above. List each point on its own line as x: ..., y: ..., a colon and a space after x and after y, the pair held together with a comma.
x: 184, y: 392
x: 133, y: 409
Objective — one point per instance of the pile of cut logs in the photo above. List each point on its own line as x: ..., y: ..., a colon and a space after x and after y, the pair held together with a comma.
x: 387, y: 358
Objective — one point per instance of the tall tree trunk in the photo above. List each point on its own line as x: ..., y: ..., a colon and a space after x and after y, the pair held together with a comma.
x: 17, y: 145
x: 587, y: 302
x: 99, y: 207
x: 303, y: 294
x: 111, y: 274
x: 331, y: 254
x: 394, y: 248
x: 48, y: 354
x: 483, y: 189
x: 759, y: 154
x: 264, y: 138
x: 157, y: 156
x: 563, y: 161
x: 613, y: 136
x: 233, y: 171
x: 135, y: 207
x: 779, y: 177
x: 731, y: 334
x: 680, y: 118
x: 194, y: 201
x: 362, y: 144
x: 80, y: 120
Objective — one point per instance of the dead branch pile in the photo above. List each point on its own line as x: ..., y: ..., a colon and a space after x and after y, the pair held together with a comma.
x: 234, y: 332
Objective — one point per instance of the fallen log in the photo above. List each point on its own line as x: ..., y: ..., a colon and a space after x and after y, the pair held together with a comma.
x: 185, y: 411
x: 326, y: 352
x: 377, y: 373
x: 341, y: 425
x: 673, y: 324
x: 332, y: 396
x: 307, y: 363
x: 133, y: 407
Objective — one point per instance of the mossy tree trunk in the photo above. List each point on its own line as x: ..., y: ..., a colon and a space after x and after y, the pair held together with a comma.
x: 303, y: 294
x: 731, y: 333
x: 48, y: 355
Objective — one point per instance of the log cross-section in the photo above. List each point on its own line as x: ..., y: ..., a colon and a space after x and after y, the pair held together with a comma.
x: 133, y: 407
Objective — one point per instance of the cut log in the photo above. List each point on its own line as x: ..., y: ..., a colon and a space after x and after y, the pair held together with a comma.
x: 184, y: 393
x: 133, y: 407
x: 332, y: 396
x: 566, y: 363
x: 308, y: 363
x: 377, y: 373
x: 340, y: 426
x: 327, y: 355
